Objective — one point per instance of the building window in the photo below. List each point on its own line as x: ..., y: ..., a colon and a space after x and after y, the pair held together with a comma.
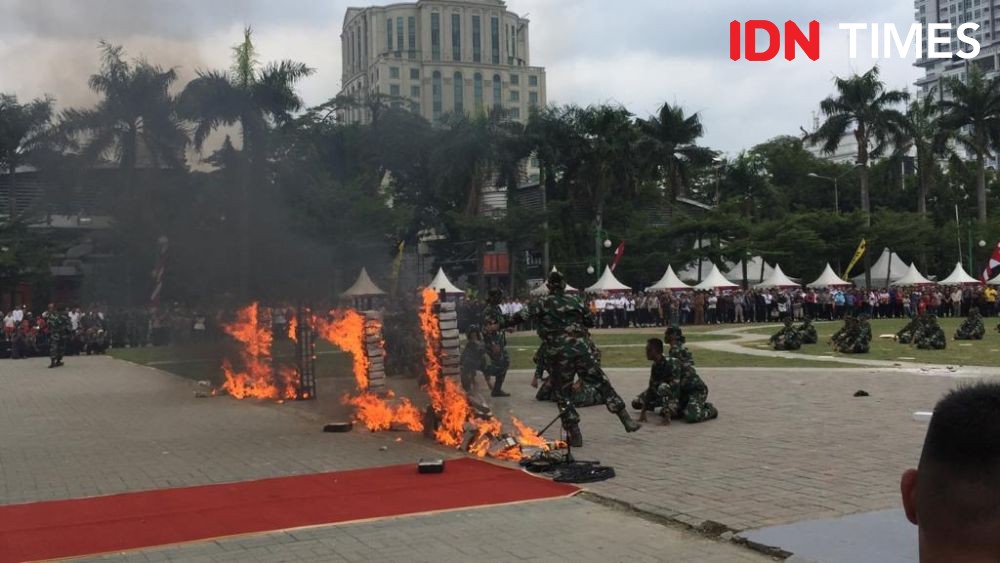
x: 477, y: 41
x: 399, y: 34
x: 456, y: 37
x: 495, y: 39
x: 514, y: 113
x: 414, y: 74
x: 436, y: 36
x: 411, y: 26
x: 394, y: 90
x: 414, y: 91
x: 497, y: 91
x: 532, y: 81
x: 436, y: 95
x: 459, y: 94
x: 394, y: 72
x: 515, y: 96
x: 477, y: 90
x: 515, y: 80
x: 388, y: 33
x: 533, y: 98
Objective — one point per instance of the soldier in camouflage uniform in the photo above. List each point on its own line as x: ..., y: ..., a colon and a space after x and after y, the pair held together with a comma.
x: 688, y: 399
x: 674, y: 336
x: 662, y: 377
x: 473, y: 358
x: 972, y: 327
x: 787, y: 338
x: 495, y: 340
x: 854, y: 338
x: 807, y: 332
x: 582, y: 394
x: 905, y: 336
x: 931, y: 336
x: 58, y: 325
x: 562, y: 322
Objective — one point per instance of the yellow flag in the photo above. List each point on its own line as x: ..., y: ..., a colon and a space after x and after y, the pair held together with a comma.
x: 396, y: 264
x: 857, y: 256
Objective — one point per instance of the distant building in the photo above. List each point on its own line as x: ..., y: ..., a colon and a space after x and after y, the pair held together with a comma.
x: 438, y: 57
x: 986, y: 13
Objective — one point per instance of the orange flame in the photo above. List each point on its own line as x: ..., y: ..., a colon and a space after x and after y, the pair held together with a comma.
x: 377, y: 414
x: 293, y: 323
x: 346, y: 331
x: 526, y: 436
x: 258, y: 379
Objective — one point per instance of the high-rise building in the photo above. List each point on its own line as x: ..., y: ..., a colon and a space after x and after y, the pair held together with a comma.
x: 438, y: 57
x: 986, y: 13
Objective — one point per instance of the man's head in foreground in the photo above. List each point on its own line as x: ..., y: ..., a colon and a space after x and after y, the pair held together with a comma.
x: 954, y: 494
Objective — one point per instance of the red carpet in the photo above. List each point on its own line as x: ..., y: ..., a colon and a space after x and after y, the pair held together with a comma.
x: 94, y: 525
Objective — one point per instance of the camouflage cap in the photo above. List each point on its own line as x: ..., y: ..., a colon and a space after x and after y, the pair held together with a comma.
x: 556, y: 282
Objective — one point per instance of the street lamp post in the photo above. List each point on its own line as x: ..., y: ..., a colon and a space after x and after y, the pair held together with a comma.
x: 836, y: 189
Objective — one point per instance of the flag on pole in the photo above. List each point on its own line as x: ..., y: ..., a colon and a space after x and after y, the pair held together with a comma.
x: 161, y: 266
x: 993, y: 266
x: 618, y: 255
x: 857, y: 256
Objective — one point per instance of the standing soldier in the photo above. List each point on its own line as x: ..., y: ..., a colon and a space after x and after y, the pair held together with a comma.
x: 562, y: 322
x: 58, y: 325
x: 495, y: 340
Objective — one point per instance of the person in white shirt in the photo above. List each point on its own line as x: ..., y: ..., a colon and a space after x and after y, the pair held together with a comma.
x: 18, y: 314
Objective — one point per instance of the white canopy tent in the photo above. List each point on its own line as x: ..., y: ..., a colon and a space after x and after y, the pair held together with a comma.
x: 959, y: 277
x: 441, y: 281
x: 777, y: 279
x: 607, y: 283
x: 669, y: 282
x: 888, y: 268
x: 363, y: 287
x: 757, y: 271
x: 715, y: 280
x: 542, y: 290
x: 994, y: 281
x: 829, y: 279
x: 912, y: 277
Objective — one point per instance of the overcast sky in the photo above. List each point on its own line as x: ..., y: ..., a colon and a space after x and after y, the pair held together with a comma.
x: 640, y: 54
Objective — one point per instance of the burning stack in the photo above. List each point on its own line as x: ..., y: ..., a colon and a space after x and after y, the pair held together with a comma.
x: 375, y: 351
x: 449, y: 353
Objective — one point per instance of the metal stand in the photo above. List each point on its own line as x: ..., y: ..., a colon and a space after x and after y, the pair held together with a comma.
x: 305, y: 355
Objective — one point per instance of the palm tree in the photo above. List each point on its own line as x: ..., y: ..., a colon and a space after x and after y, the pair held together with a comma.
x: 926, y: 134
x: 863, y: 102
x: 255, y: 98
x: 972, y: 111
x: 671, y: 136
x: 135, y: 117
x: 23, y: 129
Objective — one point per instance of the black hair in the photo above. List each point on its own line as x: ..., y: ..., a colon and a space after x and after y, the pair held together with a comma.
x: 656, y: 343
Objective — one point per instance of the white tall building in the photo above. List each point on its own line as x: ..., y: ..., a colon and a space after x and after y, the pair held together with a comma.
x: 438, y: 57
x: 986, y: 13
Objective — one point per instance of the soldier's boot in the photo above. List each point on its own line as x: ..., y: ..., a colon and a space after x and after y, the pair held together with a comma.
x: 498, y: 386
x: 627, y: 421
x: 573, y: 435
x: 52, y: 363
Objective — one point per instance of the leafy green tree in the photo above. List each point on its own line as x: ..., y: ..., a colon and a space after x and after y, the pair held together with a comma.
x: 926, y: 133
x: 670, y: 139
x: 24, y: 130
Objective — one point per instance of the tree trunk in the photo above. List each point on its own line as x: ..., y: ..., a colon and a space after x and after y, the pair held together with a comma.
x: 981, y: 188
x: 12, y: 198
x: 923, y: 179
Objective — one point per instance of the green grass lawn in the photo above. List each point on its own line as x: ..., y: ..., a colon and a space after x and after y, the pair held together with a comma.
x: 618, y: 338
x: 985, y: 352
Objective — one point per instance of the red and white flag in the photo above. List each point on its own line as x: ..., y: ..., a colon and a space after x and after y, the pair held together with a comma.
x: 161, y: 266
x: 993, y: 266
x: 618, y: 255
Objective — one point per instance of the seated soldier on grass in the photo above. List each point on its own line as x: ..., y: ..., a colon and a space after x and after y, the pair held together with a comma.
x: 972, y: 327
x: 931, y: 335
x: 905, y: 336
x: 953, y: 496
x: 787, y: 338
x: 807, y: 332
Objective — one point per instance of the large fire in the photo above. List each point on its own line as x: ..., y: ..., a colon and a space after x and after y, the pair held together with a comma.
x: 345, y: 329
x: 379, y: 414
x: 259, y: 378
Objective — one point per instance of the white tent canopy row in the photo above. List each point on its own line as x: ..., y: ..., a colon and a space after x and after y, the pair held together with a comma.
x: 777, y: 279
x: 607, y: 283
x: 829, y: 279
x: 757, y: 271
x: 887, y: 269
x: 441, y: 281
x: 959, y: 277
x: 669, y: 282
x: 715, y: 280
x: 363, y: 287
x: 912, y: 277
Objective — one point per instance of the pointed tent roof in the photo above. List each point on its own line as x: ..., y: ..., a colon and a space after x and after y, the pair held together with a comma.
x: 441, y: 281
x: 669, y: 282
x: 913, y: 277
x: 607, y: 282
x: 829, y: 279
x: 994, y: 281
x: 754, y: 265
x: 777, y: 279
x: 542, y: 290
x: 715, y: 280
x: 881, y: 269
x: 363, y: 287
x: 959, y: 277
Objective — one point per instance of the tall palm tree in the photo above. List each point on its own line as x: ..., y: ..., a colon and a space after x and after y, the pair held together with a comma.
x: 255, y: 97
x: 925, y: 133
x: 862, y: 102
x: 671, y: 137
x: 135, y: 117
x: 972, y: 111
x: 23, y: 129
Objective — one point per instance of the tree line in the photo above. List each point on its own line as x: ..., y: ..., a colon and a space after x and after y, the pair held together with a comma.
x: 296, y: 201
